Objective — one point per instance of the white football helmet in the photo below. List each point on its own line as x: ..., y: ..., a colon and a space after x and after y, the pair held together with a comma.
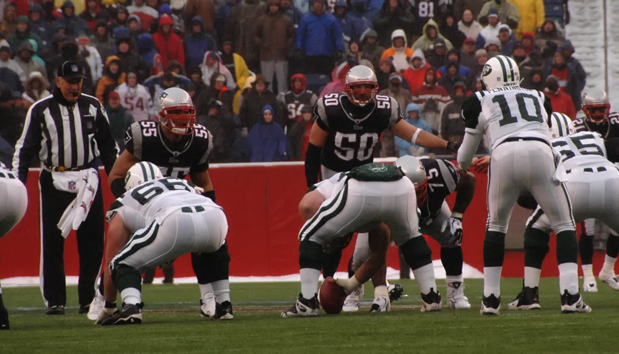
x: 415, y: 171
x: 140, y: 173
x: 357, y: 79
x: 500, y: 71
x: 175, y: 110
x: 562, y: 125
x: 596, y: 106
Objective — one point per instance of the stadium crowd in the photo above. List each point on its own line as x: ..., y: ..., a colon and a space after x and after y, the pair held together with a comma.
x: 255, y: 68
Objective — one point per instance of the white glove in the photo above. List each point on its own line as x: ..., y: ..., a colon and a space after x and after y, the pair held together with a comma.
x: 105, y: 314
x: 455, y: 228
x: 198, y: 190
x: 349, y: 285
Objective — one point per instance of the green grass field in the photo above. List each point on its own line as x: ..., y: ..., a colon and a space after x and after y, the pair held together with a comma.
x: 171, y: 324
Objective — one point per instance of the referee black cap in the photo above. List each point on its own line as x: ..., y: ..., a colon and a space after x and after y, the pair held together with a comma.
x: 70, y: 70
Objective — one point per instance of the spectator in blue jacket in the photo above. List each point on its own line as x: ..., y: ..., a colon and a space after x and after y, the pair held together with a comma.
x: 197, y: 42
x: 42, y: 28
x: 352, y: 26
x: 576, y: 70
x: 360, y: 14
x: 319, y: 39
x: 221, y: 18
x: 147, y: 50
x: 266, y: 141
x: 292, y: 12
x: 413, y: 117
x: 75, y: 25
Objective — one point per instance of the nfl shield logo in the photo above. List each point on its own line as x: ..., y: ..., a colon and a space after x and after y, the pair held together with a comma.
x: 72, y: 185
x: 88, y: 125
x: 74, y: 68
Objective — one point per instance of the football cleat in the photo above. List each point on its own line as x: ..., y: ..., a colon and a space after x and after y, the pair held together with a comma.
x: 573, y: 303
x: 381, y: 304
x: 130, y: 314
x: 208, y: 305
x: 589, y: 286
x: 351, y: 304
x: 105, y: 314
x: 55, y: 310
x: 303, y: 308
x: 431, y: 301
x: 528, y: 299
x: 490, y: 305
x: 455, y: 296
x: 395, y: 292
x: 610, y: 279
x: 97, y: 304
x: 223, y: 311
x: 4, y: 319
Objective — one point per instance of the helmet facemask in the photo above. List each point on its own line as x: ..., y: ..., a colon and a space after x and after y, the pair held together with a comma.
x: 596, y: 113
x: 362, y: 93
x: 179, y: 119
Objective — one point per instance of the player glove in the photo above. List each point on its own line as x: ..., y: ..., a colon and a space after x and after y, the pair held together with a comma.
x: 106, y: 312
x: 455, y: 228
x: 453, y: 147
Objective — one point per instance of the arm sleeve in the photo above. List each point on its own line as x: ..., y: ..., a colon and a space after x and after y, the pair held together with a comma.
x: 467, y: 150
x: 471, y: 109
x: 312, y: 164
x: 28, y: 144
x: 105, y: 142
x: 612, y: 149
x: 548, y: 108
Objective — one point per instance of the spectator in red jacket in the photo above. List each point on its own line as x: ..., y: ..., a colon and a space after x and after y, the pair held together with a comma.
x: 432, y: 97
x: 561, y: 102
x: 168, y: 43
x: 415, y: 75
x: 92, y: 13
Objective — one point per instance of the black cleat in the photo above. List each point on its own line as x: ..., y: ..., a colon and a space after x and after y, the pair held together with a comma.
x: 303, y: 308
x: 55, y: 310
x: 223, y: 311
x: 4, y: 319
x: 395, y: 292
x: 528, y: 299
x: 130, y: 314
x: 573, y: 303
x: 432, y: 301
x: 490, y: 305
x: 84, y: 309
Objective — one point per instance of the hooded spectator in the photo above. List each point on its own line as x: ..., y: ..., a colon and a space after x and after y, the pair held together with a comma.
x: 238, y: 69
x: 528, y: 41
x: 452, y: 77
x: 362, y: 21
x: 415, y: 74
x: 197, y: 42
x: 147, y: 50
x: 266, y: 141
x: 146, y: 13
x: 413, y: 117
x: 385, y: 68
x: 452, y: 124
x: 38, y: 26
x: 7, y: 62
x: 23, y: 33
x: 430, y: 35
x: 371, y: 48
x: 392, y: 16
x: 135, y: 28
x: 467, y: 53
x: 532, y: 15
x: 292, y: 12
x: 218, y: 91
x: 548, y: 32
x: 169, y: 44
x: 25, y: 52
x: 449, y: 29
x: 112, y: 78
x: 102, y: 40
x: 481, y: 57
x: 561, y: 102
x: 534, y: 81
x: 299, y: 133
x: 36, y: 87
x: 403, y: 96
x: 120, y: 119
x: 493, y: 47
x: 240, y: 30
x: 577, y: 71
x: 437, y: 56
x: 468, y: 25
x: 220, y: 124
x: 521, y: 58
x: 258, y: 97
x: 508, y: 13
x: 131, y: 60
x: 205, y: 9
x: 222, y: 16
x: 8, y: 25
x: 507, y: 40
x: 212, y: 64
x: 491, y: 30
x: 120, y: 20
x: 454, y: 56
x: 297, y: 98
x: 74, y: 24
x: 432, y: 97
x: 93, y: 13
x: 355, y: 53
x: 195, y: 75
x: 399, y: 53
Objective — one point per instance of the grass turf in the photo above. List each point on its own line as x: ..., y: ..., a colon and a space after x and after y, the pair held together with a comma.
x: 172, y: 324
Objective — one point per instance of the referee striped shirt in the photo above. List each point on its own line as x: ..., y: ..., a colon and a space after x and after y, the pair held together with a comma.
x: 64, y: 134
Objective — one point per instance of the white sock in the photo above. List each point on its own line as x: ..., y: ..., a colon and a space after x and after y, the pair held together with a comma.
x: 531, y: 276
x: 131, y: 296
x: 309, y: 282
x: 587, y: 271
x: 454, y: 279
x: 425, y: 278
x: 205, y: 289
x: 492, y: 281
x: 381, y: 291
x: 568, y: 278
x: 221, y: 288
x: 608, y: 267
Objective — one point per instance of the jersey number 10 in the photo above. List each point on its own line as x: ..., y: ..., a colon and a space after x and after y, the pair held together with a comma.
x: 508, y: 118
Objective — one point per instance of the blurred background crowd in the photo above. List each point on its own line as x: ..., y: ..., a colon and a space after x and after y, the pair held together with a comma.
x: 255, y: 68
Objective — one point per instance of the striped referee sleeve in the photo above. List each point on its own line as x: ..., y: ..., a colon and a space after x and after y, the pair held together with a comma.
x: 29, y: 143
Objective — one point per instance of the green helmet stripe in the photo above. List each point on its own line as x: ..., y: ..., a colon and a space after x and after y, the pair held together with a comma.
x: 500, y: 59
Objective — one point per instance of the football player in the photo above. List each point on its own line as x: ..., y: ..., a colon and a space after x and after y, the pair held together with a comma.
x: 514, y: 122
x: 13, y: 204
x: 439, y: 178
x: 374, y: 198
x: 145, y: 232
x: 592, y: 183
x: 348, y: 126
x: 179, y: 147
x: 598, y: 118
x: 296, y: 98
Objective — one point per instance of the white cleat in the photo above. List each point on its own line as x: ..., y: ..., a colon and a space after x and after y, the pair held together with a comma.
x: 96, y: 306
x: 208, y: 305
x: 351, y: 304
x: 589, y: 286
x: 573, y: 304
x: 381, y: 304
x: 455, y: 296
x: 490, y: 305
x: 610, y: 279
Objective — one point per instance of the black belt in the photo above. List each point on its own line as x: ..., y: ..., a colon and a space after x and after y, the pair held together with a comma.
x: 525, y: 139
x: 65, y: 169
x: 195, y: 209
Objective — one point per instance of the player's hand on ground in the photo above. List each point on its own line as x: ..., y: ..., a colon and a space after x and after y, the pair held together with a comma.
x: 480, y: 165
x: 105, y: 314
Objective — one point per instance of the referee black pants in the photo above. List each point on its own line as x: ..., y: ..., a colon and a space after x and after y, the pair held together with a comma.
x: 90, y: 238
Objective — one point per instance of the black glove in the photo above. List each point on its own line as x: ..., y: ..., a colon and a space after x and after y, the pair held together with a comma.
x: 483, y: 21
x: 512, y: 24
x: 453, y: 147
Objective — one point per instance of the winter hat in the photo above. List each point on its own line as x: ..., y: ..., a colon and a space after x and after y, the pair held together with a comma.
x: 469, y: 40
x: 493, y: 41
x: 306, y: 109
x: 567, y: 45
x: 23, y: 19
x: 505, y: 28
x: 493, y: 13
x: 83, y: 40
x: 439, y: 42
x: 36, y: 8
x: 528, y: 35
x: 481, y: 52
x: 165, y: 19
x: 221, y: 78
x: 395, y: 76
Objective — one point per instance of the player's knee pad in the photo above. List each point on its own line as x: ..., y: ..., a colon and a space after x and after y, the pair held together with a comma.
x: 567, y: 247
x: 310, y: 255
x: 612, y: 246
x: 494, y: 249
x: 416, y: 252
x: 125, y: 277
x: 535, y: 247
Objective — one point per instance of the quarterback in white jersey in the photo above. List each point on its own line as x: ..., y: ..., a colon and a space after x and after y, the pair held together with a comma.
x: 13, y: 204
x: 592, y: 183
x: 515, y: 124
x: 135, y: 99
x: 153, y: 223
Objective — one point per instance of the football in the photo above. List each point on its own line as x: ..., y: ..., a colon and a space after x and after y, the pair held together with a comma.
x: 331, y: 296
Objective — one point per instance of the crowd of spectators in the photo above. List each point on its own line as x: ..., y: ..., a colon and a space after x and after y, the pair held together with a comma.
x: 256, y: 67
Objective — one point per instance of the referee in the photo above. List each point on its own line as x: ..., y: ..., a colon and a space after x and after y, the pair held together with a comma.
x: 69, y: 131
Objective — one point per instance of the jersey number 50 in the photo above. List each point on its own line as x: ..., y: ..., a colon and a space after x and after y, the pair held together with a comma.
x: 348, y: 148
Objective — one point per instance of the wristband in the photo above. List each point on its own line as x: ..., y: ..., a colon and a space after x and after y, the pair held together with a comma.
x: 110, y: 305
x: 457, y: 215
x: 211, y: 195
x: 414, y: 139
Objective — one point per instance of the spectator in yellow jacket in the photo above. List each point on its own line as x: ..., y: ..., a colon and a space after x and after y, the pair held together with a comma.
x: 532, y: 15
